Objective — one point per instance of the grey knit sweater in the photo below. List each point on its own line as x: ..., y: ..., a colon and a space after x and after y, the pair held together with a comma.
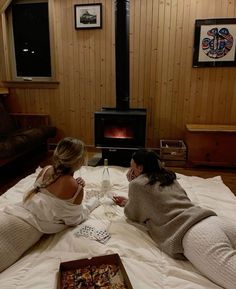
x: 166, y: 211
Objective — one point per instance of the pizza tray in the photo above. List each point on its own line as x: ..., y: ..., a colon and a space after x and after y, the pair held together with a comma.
x: 106, y: 260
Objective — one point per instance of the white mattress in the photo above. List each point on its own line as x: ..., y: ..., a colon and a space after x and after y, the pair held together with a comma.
x: 146, y: 266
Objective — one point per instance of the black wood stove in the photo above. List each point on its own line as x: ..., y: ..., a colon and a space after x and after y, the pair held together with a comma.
x: 121, y: 130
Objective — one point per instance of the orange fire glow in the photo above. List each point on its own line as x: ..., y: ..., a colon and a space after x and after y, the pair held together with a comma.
x: 118, y: 132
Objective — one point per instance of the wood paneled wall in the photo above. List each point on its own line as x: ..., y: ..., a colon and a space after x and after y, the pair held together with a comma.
x: 161, y: 75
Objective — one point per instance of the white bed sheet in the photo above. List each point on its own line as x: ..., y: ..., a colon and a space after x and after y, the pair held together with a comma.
x: 146, y: 266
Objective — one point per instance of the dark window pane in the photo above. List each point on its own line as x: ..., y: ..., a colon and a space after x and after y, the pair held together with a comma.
x: 31, y: 39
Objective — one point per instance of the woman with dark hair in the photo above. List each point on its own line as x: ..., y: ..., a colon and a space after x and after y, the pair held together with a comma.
x: 180, y: 229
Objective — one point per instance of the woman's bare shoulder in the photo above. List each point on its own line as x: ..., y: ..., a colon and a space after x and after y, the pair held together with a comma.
x: 46, y: 170
x: 68, y: 180
x: 68, y: 186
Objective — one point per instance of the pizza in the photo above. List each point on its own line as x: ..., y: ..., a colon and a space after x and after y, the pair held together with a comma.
x: 104, y: 276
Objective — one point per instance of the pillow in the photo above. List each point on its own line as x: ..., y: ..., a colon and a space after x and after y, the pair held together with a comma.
x: 7, y: 124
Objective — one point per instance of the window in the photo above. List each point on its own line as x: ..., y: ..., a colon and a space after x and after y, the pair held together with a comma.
x: 30, y: 26
x: 27, y: 37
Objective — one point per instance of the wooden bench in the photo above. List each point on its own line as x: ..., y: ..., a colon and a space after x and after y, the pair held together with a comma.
x: 212, y: 145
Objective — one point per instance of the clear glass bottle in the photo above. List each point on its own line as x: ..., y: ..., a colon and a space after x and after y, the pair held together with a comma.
x: 106, y: 182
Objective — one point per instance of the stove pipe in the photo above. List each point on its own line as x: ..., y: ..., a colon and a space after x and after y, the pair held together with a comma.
x: 122, y: 53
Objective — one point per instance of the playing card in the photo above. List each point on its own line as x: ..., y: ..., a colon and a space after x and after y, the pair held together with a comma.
x: 93, y: 232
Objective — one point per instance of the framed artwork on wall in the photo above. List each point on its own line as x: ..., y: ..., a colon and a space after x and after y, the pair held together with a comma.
x: 215, y: 43
x: 88, y: 16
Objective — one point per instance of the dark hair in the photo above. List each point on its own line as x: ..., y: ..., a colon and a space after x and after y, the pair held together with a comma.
x: 153, y: 168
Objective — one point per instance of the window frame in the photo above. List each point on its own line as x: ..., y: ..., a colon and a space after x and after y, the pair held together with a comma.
x: 11, y: 78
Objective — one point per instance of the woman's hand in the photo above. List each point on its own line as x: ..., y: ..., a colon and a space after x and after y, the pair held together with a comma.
x: 120, y: 201
x: 80, y: 182
x: 130, y: 175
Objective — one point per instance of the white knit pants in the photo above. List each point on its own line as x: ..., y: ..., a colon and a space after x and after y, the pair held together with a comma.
x: 210, y: 246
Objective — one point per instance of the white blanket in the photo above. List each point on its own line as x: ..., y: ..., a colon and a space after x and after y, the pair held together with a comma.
x: 146, y: 266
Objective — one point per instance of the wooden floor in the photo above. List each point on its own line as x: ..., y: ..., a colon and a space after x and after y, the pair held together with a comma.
x: 9, y: 176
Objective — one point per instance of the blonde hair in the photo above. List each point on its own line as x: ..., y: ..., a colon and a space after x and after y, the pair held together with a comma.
x: 69, y: 156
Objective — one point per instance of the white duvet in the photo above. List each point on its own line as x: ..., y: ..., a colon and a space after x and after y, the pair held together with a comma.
x: 146, y: 266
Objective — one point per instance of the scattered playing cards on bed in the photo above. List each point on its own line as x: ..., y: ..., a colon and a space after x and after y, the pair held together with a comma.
x: 94, y: 231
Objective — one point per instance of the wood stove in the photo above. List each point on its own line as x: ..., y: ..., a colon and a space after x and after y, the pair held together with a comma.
x: 119, y: 133
x: 120, y: 130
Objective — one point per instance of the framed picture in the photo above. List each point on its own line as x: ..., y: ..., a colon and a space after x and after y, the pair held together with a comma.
x: 215, y: 42
x: 88, y: 16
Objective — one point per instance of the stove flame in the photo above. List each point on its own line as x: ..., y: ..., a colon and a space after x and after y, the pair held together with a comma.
x: 118, y: 132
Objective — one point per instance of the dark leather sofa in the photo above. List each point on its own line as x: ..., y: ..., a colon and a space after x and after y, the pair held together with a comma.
x: 21, y: 133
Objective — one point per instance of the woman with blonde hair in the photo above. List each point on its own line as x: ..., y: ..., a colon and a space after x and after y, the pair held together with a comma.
x: 68, y: 157
x: 52, y: 205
